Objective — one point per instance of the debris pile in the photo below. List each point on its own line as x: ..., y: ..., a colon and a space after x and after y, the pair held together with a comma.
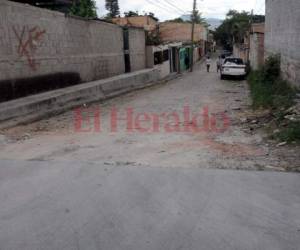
x: 293, y: 113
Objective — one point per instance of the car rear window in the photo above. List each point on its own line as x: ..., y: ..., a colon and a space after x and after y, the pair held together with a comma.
x: 237, y: 61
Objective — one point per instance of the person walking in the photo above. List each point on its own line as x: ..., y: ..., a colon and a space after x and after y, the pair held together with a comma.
x: 219, y: 64
x: 208, y: 63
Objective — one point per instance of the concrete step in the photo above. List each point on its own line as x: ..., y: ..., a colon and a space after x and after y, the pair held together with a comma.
x: 38, y: 106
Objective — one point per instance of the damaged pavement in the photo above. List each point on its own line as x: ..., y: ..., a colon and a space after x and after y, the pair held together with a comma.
x: 64, y: 188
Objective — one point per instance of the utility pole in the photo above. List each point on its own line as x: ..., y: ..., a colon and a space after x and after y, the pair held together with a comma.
x: 192, y: 36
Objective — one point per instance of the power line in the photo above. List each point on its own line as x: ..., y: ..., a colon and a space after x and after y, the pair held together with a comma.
x: 261, y: 6
x: 174, y: 6
x: 162, y: 7
x: 168, y: 6
x: 255, y: 4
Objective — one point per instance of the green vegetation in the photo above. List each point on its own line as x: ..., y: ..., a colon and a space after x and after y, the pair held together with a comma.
x: 84, y: 8
x: 152, y: 15
x: 113, y: 8
x: 268, y: 90
x: 290, y: 133
x: 131, y: 13
x: 198, y: 19
x: 234, y: 27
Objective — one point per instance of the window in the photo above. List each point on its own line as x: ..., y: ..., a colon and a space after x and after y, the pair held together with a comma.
x: 237, y: 61
x: 158, y: 58
x: 166, y: 55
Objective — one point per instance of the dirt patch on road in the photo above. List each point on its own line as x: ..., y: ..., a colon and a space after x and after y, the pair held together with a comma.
x: 243, y: 145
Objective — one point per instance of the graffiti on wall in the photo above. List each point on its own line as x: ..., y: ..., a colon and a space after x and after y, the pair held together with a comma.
x: 28, y: 41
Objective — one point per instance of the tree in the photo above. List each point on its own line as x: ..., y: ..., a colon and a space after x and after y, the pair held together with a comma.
x: 131, y: 13
x: 153, y: 16
x: 234, y: 27
x: 113, y: 7
x: 198, y: 18
x: 177, y: 20
x: 84, y: 8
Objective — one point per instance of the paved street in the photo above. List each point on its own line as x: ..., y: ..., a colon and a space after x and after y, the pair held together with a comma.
x: 71, y: 205
x: 165, y: 188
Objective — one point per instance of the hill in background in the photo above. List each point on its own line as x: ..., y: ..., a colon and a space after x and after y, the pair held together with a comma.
x: 213, y: 22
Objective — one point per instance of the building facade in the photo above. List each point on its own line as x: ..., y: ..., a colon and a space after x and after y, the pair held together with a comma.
x: 282, y: 36
x: 181, y: 32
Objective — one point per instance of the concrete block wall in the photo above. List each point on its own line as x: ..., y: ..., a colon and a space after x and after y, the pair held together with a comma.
x: 282, y: 35
x: 137, y: 48
x: 35, y: 41
x: 256, y: 52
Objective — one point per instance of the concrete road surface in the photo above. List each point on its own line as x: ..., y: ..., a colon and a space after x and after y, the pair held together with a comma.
x: 93, y: 206
x: 117, y: 190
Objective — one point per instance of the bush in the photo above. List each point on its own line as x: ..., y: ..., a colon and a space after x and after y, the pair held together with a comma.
x: 268, y: 90
x: 290, y: 133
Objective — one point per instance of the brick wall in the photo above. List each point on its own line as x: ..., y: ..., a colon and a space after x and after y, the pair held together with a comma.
x: 181, y: 32
x: 36, y: 42
x: 282, y: 35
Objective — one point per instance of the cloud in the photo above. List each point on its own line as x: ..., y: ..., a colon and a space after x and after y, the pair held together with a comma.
x: 164, y: 10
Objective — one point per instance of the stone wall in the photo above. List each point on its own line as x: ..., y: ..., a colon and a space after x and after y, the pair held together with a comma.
x: 282, y: 35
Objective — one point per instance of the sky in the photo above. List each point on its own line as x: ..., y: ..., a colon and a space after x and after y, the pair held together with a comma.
x: 170, y: 9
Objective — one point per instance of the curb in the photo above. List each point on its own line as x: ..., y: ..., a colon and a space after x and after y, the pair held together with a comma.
x: 36, y: 107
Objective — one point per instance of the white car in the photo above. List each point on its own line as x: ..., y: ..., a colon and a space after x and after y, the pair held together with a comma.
x: 233, y: 67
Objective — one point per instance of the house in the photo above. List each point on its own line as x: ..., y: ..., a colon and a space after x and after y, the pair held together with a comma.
x: 173, y: 32
x: 168, y: 43
x: 251, y: 49
x: 282, y: 36
x: 164, y: 57
x: 256, y: 42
